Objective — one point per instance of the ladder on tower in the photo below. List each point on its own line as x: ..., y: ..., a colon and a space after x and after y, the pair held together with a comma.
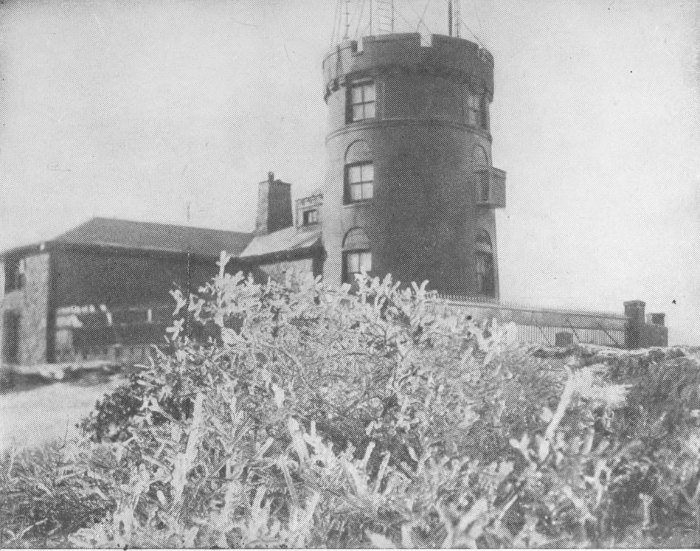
x: 385, y: 16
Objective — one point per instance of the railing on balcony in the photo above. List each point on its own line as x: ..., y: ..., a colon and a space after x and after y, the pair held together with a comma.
x: 490, y: 187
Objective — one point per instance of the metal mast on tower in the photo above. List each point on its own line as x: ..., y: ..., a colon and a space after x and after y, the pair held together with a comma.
x: 385, y: 16
x: 454, y: 17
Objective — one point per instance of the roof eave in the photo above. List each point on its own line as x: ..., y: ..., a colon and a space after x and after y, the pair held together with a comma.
x: 23, y: 250
x: 115, y: 247
x: 286, y: 254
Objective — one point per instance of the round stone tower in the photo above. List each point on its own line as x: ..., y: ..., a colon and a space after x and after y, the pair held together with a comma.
x: 410, y: 188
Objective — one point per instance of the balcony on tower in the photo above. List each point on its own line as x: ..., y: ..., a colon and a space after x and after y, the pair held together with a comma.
x: 490, y: 187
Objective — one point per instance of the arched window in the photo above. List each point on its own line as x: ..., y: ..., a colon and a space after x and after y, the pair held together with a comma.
x: 480, y: 156
x: 483, y: 240
x: 485, y: 276
x: 358, y: 152
x: 359, y: 172
x: 477, y: 104
x: 357, y: 256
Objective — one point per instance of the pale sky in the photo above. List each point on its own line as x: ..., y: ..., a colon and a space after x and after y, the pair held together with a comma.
x: 132, y: 109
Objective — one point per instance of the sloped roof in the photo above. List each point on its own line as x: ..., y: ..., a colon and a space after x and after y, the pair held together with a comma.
x: 286, y: 240
x: 149, y: 236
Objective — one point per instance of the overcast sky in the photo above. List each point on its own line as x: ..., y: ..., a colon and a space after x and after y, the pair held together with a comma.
x: 132, y: 109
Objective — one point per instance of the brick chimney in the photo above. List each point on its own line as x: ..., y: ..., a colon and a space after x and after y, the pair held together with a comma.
x: 274, y: 206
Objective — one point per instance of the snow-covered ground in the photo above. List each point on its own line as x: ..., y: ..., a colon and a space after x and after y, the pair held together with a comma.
x: 35, y: 416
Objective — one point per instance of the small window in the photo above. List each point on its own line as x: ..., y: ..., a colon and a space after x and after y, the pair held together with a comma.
x: 310, y: 217
x: 15, y: 274
x: 362, y: 101
x: 357, y: 256
x: 477, y: 107
x: 359, y: 182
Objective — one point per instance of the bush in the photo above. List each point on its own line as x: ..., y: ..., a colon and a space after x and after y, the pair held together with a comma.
x: 316, y: 417
x: 48, y: 493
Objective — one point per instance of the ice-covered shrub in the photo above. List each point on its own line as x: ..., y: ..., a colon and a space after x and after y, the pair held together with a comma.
x: 320, y: 417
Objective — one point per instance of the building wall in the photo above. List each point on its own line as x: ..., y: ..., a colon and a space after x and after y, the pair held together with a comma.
x: 111, y: 304
x: 116, y: 278
x: 278, y: 270
x: 423, y: 218
x: 31, y: 303
x: 654, y: 335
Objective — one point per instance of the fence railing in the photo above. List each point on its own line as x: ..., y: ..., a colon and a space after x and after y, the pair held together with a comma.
x: 547, y: 326
x: 96, y: 332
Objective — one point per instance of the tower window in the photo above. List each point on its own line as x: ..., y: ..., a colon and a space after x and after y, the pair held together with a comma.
x: 481, y: 169
x: 357, y: 257
x: 485, y: 273
x: 15, y: 274
x: 310, y: 217
x: 477, y: 110
x: 485, y: 283
x: 356, y: 262
x: 359, y: 182
x: 362, y: 101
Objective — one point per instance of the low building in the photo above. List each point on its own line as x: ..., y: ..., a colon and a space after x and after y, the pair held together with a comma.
x: 102, y: 290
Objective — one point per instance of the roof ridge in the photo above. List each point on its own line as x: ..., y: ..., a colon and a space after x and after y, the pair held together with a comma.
x: 150, y: 223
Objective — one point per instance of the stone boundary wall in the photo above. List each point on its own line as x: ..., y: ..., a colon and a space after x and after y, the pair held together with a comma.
x: 560, y: 327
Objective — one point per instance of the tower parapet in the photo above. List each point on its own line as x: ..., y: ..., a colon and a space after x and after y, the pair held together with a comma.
x: 446, y: 56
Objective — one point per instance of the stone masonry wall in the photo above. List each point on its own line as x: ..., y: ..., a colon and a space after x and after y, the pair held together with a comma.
x: 31, y: 303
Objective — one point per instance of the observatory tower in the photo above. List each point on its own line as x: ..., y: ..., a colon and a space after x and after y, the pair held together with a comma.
x: 410, y: 186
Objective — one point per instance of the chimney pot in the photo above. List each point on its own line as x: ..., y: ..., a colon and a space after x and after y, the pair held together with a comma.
x: 270, y: 176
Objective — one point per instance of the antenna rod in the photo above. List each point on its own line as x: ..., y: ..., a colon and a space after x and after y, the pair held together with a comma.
x: 370, y: 17
x: 456, y: 17
x: 449, y: 16
x: 347, y: 20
